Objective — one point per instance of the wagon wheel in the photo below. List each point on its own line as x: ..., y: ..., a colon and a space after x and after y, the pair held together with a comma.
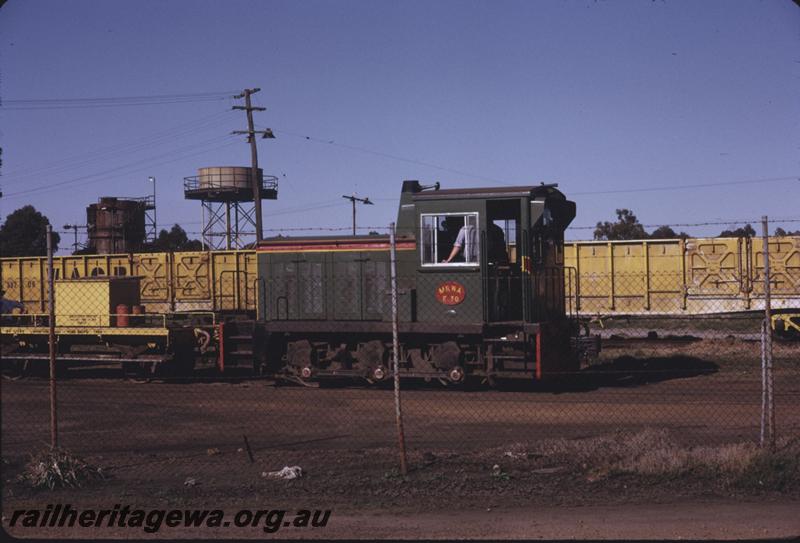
x: 14, y: 370
x: 136, y: 372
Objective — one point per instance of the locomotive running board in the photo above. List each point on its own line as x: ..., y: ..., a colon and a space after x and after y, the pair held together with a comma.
x: 350, y: 327
x: 80, y: 358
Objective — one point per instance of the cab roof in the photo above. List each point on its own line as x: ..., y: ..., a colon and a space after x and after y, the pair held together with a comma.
x: 489, y: 192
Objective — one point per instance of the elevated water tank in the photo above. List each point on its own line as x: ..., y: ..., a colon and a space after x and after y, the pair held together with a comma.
x: 228, y: 184
x: 225, y: 177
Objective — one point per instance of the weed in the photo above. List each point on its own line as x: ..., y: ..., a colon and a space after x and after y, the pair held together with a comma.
x: 653, y: 454
x: 53, y: 468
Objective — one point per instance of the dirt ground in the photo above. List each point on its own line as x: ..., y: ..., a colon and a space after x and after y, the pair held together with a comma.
x: 479, y: 465
x: 693, y: 520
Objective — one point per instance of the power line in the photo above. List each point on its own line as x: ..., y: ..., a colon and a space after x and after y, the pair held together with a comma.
x: 137, y: 167
x: 293, y: 209
x: 693, y: 186
x: 495, y: 180
x: 119, y: 101
x: 391, y: 156
x: 83, y: 159
x: 124, y: 98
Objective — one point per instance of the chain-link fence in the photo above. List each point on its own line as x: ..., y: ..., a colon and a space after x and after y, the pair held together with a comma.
x: 505, y: 358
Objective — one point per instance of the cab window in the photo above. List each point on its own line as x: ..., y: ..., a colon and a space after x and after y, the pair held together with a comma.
x: 450, y: 239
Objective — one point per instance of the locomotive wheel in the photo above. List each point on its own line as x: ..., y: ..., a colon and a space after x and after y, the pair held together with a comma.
x: 454, y: 378
x: 379, y: 373
x: 294, y: 377
x: 456, y: 374
x: 291, y: 374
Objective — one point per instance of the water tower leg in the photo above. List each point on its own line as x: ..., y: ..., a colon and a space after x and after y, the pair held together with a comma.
x: 204, y: 237
x: 228, y: 224
x: 236, y: 226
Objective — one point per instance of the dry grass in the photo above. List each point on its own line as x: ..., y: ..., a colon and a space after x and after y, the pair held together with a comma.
x: 53, y: 468
x: 652, y: 453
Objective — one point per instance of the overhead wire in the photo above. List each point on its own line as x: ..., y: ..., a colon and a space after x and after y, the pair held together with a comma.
x: 131, y: 168
x: 387, y: 155
x: 174, y: 98
x: 118, y: 101
x: 83, y: 159
x: 495, y: 180
x: 691, y: 186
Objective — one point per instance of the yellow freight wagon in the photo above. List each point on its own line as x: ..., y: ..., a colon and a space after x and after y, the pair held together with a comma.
x: 188, y: 281
x: 693, y: 276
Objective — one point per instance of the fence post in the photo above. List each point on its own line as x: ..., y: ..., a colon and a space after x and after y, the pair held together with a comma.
x: 767, y: 363
x: 401, y: 440
x: 51, y: 318
x: 762, y: 435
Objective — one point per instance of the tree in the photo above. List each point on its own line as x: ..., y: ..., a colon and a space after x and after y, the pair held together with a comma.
x: 24, y: 233
x: 174, y: 240
x: 626, y: 227
x: 742, y: 232
x: 666, y: 232
x: 781, y: 232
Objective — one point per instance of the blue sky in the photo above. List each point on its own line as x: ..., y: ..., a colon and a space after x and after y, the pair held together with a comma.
x: 609, y: 99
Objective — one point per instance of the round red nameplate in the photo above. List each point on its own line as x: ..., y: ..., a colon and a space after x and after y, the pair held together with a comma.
x: 450, y: 293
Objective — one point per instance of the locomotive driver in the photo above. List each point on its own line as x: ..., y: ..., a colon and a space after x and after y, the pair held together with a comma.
x: 467, y: 240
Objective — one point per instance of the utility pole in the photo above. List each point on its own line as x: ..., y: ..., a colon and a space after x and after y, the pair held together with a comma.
x: 74, y: 228
x: 251, y: 132
x: 353, y: 200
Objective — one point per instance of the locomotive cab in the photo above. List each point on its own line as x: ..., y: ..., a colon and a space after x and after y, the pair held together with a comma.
x: 489, y: 255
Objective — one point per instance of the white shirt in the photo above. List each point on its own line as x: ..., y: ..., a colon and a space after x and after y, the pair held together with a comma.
x: 467, y: 239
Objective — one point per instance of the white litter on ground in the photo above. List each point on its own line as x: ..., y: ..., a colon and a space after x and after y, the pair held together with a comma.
x: 288, y: 472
